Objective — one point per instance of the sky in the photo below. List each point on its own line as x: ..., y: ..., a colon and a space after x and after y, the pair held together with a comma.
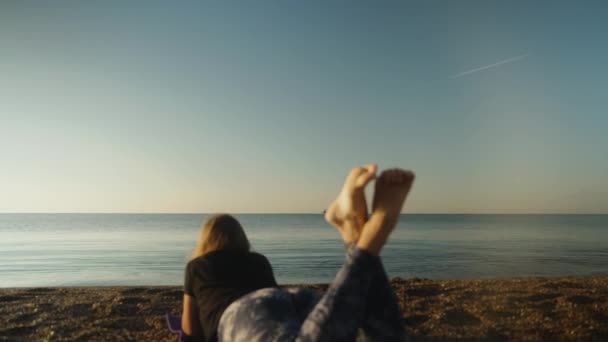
x: 264, y: 106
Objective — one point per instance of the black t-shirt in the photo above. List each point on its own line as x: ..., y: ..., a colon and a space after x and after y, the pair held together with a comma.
x: 219, y: 278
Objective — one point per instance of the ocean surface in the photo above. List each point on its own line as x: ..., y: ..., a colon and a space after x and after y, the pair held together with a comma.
x: 152, y: 249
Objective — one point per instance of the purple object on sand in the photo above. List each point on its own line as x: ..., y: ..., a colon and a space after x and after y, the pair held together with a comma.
x: 175, y: 325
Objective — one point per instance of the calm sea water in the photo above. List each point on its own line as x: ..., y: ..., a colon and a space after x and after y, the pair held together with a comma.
x: 152, y: 249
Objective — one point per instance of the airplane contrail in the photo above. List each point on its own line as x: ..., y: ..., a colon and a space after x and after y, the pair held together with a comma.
x: 506, y: 61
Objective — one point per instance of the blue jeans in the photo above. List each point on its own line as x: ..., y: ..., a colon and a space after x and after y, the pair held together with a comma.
x: 359, y: 297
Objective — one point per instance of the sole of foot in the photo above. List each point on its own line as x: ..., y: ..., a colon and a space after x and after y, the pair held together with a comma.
x: 392, y: 188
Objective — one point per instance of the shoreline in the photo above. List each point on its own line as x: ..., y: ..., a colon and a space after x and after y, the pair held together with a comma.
x: 530, y: 309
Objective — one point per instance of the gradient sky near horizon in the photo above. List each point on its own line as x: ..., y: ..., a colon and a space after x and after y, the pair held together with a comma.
x: 243, y: 106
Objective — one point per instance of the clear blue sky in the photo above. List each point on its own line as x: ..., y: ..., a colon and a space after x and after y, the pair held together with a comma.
x: 262, y: 106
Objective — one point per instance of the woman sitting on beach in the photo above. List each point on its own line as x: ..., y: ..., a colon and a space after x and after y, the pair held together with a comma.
x: 359, y: 297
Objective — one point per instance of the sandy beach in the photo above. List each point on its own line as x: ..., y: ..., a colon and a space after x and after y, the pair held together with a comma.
x: 518, y: 309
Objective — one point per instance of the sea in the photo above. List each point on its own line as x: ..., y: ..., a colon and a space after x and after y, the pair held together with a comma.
x: 40, y: 250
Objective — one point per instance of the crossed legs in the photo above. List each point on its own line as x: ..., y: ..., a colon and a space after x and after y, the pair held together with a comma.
x: 359, y: 297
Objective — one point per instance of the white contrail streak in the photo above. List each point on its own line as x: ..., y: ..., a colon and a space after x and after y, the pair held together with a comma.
x: 506, y: 61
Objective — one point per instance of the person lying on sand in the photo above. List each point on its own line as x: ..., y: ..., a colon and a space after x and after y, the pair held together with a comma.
x: 221, y: 303
x: 222, y: 270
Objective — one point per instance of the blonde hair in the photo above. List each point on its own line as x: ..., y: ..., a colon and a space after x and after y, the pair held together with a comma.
x: 221, y: 232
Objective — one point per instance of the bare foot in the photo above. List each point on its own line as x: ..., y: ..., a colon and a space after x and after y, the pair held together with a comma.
x: 392, y: 187
x: 348, y: 212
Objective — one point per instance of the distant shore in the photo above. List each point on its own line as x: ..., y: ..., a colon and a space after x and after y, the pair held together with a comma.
x: 518, y: 309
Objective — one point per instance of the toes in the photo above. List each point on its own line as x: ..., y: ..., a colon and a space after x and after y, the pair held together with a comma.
x: 390, y: 176
x: 361, y: 175
x: 384, y: 177
x: 369, y: 173
x: 370, y: 168
x: 405, y: 176
x: 408, y: 176
x: 396, y: 176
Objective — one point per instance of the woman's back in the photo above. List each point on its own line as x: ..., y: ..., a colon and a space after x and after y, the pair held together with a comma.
x: 218, y: 278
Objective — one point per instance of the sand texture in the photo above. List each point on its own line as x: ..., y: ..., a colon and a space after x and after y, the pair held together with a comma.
x: 521, y: 309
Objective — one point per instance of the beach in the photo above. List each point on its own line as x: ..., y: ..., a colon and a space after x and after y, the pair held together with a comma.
x: 518, y: 309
